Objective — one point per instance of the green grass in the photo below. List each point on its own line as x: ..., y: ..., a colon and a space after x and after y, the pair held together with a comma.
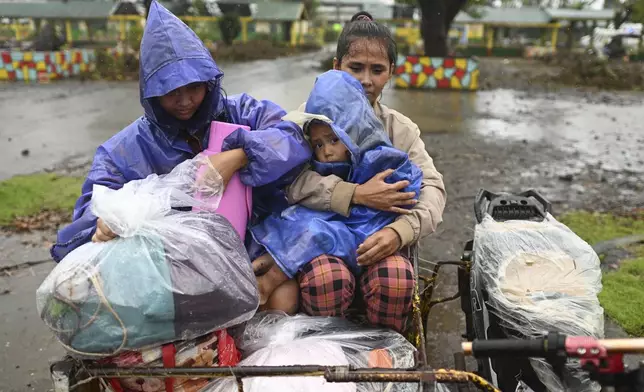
x: 27, y: 195
x: 622, y: 295
x: 595, y: 227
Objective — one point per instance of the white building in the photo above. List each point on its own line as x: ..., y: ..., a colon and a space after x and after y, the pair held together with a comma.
x: 345, y: 9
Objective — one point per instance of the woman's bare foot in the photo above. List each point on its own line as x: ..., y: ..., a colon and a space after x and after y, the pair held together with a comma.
x: 286, y: 298
x: 269, y: 281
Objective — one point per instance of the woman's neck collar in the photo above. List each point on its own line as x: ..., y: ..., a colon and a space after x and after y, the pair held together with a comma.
x: 377, y: 107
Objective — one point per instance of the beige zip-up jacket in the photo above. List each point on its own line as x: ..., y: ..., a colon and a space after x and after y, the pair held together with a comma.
x: 326, y: 193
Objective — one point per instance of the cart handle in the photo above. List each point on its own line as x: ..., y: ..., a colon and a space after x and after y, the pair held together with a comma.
x: 553, y: 344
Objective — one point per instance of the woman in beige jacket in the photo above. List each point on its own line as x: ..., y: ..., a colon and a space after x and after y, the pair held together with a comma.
x: 367, y: 51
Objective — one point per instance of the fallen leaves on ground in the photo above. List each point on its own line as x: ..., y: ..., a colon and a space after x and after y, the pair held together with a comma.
x: 44, y: 220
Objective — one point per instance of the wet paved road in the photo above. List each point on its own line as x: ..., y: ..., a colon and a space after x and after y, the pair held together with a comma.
x: 60, y: 120
x: 502, y: 140
x: 66, y: 119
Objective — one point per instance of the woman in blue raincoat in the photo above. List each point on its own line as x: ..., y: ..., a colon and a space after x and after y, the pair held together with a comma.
x: 180, y: 90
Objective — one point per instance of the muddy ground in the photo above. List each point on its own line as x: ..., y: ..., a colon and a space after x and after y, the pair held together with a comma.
x: 573, y: 72
x: 581, y: 149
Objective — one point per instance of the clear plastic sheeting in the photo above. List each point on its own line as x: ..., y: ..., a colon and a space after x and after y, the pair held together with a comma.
x: 274, y: 339
x: 540, y: 277
x: 169, y: 275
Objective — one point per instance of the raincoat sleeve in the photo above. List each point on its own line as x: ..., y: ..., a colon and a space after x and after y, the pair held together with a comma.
x: 427, y: 214
x: 83, y: 226
x: 322, y: 193
x: 276, y: 149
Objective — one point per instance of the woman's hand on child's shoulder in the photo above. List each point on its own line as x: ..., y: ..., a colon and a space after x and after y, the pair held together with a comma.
x: 379, y: 195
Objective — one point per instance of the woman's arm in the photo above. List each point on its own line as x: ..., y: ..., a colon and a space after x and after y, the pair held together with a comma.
x: 275, y: 150
x: 427, y: 214
x: 331, y: 193
x: 83, y: 226
x: 423, y: 218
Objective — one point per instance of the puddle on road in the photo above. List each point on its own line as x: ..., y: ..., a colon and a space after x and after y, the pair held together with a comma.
x: 436, y: 112
x: 611, y: 136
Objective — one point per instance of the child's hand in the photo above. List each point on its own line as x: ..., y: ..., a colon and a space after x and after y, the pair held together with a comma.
x: 228, y: 163
x: 103, y: 233
x: 208, y: 183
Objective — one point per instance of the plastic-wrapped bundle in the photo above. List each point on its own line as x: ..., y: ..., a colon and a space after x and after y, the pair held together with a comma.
x: 169, y: 275
x: 540, y: 277
x: 274, y: 339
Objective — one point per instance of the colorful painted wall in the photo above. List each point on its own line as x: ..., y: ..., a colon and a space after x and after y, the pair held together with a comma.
x: 44, y: 66
x: 437, y: 73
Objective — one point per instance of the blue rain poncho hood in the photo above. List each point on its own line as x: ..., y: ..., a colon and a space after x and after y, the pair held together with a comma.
x: 298, y: 234
x: 340, y: 98
x: 173, y: 56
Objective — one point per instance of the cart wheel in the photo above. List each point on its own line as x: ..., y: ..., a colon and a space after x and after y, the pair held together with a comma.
x: 459, y: 361
x: 64, y: 374
x: 93, y: 386
x: 459, y: 364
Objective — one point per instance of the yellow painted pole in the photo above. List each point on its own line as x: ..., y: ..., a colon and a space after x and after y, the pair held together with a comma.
x: 123, y: 29
x: 194, y: 18
x: 244, y: 32
x: 16, y: 30
x: 321, y: 36
x: 125, y: 17
x: 490, y: 40
x: 553, y: 39
x: 68, y: 31
x: 294, y: 35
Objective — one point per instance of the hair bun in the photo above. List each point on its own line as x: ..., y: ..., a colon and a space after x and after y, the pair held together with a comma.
x: 362, y: 15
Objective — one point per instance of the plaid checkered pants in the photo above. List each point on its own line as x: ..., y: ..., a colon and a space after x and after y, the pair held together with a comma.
x: 328, y: 288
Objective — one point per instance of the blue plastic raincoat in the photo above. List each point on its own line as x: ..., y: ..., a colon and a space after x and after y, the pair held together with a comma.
x: 173, y: 56
x: 299, y: 234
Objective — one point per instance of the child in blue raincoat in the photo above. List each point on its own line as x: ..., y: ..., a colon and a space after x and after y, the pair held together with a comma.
x: 350, y: 142
x: 180, y: 91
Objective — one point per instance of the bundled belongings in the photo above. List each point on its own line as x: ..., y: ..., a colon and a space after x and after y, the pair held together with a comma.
x: 538, y: 276
x: 212, y: 350
x: 169, y: 275
x: 275, y: 339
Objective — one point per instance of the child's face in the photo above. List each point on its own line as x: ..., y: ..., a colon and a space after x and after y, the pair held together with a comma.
x: 327, y: 147
x: 184, y: 102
